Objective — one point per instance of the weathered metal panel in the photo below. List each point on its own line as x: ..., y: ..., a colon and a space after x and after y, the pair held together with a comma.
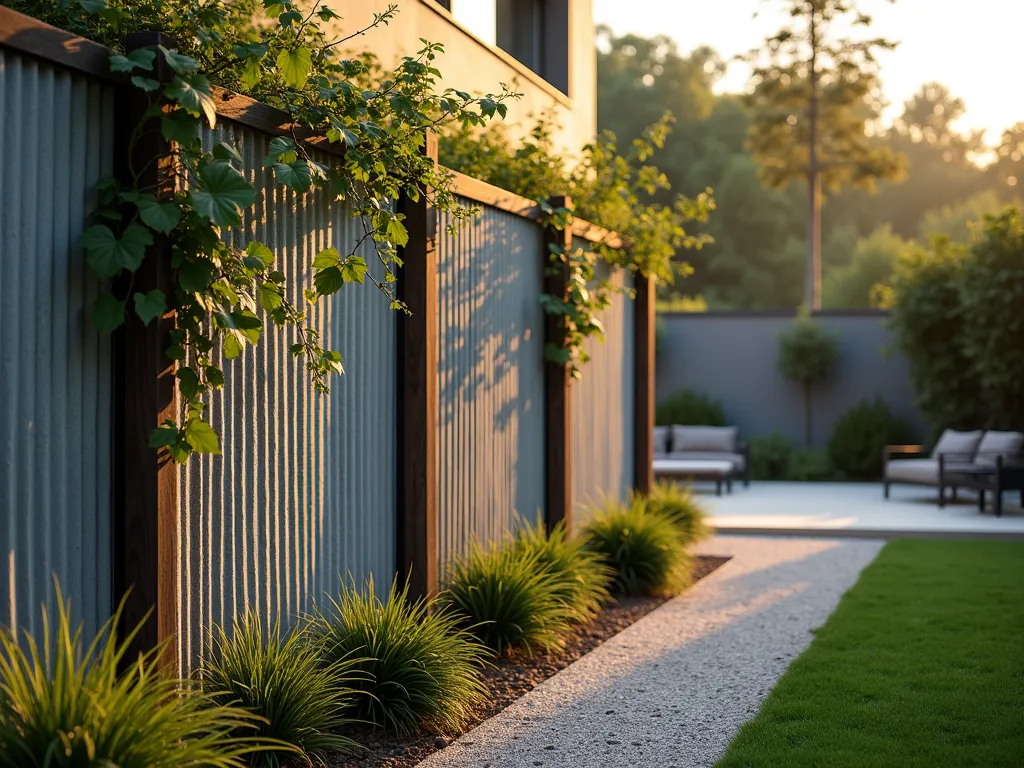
x: 304, y: 493
x: 602, y: 406
x: 490, y: 379
x: 56, y: 135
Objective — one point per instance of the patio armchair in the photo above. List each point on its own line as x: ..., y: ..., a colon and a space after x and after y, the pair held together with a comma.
x: 978, y: 460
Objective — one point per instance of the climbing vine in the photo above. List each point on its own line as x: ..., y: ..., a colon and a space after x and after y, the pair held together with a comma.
x: 621, y: 191
x: 291, y: 57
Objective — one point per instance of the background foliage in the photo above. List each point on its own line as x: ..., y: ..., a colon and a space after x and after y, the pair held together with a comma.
x: 757, y: 255
x: 855, y: 446
x: 956, y: 312
x: 689, y: 407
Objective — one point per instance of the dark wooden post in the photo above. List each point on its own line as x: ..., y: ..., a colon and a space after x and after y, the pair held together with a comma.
x: 557, y: 410
x: 145, y: 481
x: 417, y: 552
x: 643, y: 383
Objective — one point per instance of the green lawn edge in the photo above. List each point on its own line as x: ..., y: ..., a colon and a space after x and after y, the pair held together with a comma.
x: 921, y: 664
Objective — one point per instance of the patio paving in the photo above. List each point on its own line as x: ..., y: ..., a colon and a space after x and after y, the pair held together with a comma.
x: 673, y: 689
x: 857, y: 509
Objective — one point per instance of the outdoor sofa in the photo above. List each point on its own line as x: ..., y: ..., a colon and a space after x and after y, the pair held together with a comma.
x: 701, y: 453
x: 980, y: 460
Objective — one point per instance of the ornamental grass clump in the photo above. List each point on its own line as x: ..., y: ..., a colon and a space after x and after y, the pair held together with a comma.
x: 507, y: 600
x: 581, y: 578
x: 644, y: 548
x: 279, y: 676
x: 64, y: 705
x: 678, y: 503
x: 418, y: 668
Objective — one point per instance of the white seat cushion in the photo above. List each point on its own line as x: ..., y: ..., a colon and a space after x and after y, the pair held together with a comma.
x: 1008, y: 445
x: 923, y: 471
x: 719, y: 439
x: 684, y: 467
x: 735, y: 458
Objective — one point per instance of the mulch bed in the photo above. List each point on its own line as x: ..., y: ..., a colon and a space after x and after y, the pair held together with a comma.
x: 508, y: 680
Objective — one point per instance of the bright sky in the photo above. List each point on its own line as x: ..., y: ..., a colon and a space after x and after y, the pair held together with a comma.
x: 973, y: 46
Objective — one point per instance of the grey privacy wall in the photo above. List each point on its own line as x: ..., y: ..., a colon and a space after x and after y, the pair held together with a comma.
x: 602, y: 408
x: 490, y: 378
x: 57, y: 140
x: 304, y: 493
x: 732, y: 357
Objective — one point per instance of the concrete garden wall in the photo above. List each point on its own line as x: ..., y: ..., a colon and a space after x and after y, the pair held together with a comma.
x: 731, y: 356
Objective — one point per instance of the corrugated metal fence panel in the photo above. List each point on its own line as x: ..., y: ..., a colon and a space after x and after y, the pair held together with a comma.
x: 304, y: 492
x: 490, y: 379
x: 56, y: 131
x: 602, y: 407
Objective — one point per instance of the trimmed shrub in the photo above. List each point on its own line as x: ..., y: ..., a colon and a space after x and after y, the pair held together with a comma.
x: 678, y: 503
x: 810, y: 465
x: 770, y: 456
x: 507, y: 600
x: 279, y: 677
x: 580, y: 577
x: 416, y: 667
x: 688, y: 407
x: 807, y: 355
x: 66, y: 705
x: 855, y: 447
x: 644, y: 548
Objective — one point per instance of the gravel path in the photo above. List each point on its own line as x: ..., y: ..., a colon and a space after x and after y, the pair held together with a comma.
x: 672, y: 690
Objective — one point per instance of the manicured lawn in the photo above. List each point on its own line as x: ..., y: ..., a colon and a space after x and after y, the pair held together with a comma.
x: 922, y: 664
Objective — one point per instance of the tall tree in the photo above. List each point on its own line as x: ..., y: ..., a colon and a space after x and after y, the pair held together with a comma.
x: 816, y: 100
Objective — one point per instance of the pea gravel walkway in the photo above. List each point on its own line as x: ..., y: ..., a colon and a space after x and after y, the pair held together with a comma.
x: 673, y: 689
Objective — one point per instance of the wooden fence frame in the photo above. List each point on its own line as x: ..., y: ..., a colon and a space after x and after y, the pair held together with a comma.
x: 144, y: 485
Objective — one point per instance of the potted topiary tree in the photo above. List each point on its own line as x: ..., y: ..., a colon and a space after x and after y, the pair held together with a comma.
x: 807, y: 355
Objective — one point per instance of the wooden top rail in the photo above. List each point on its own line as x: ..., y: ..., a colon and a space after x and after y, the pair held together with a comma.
x: 487, y: 194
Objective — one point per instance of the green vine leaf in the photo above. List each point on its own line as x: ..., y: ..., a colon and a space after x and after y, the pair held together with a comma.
x: 328, y: 281
x: 149, y: 306
x: 195, y: 275
x: 107, y: 313
x: 147, y: 84
x: 108, y: 254
x: 281, y: 150
x: 214, y: 376
x: 224, y: 151
x: 295, y: 175
x: 328, y: 257
x: 181, y: 64
x: 270, y: 297
x: 232, y: 347
x: 252, y: 72
x: 294, y: 66
x: 164, y: 436
x: 261, y: 252
x: 162, y: 217
x: 93, y: 6
x: 354, y: 269
x: 202, y: 437
x: 179, y: 126
x: 188, y: 382
x: 140, y: 59
x: 222, y: 195
x: 193, y: 94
